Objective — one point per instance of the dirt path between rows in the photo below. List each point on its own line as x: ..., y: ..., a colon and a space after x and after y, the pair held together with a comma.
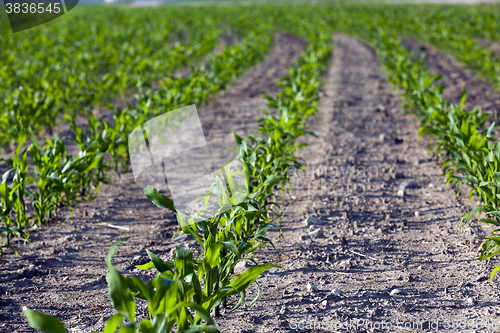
x: 479, y: 92
x: 62, y: 270
x: 367, y: 146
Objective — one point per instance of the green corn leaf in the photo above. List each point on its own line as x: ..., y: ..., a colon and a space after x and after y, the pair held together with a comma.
x: 231, y: 247
x: 183, y: 261
x: 243, y: 295
x: 492, y: 275
x: 165, y: 296
x: 262, y: 230
x: 490, y: 221
x: 258, y: 294
x: 146, y: 327
x: 159, y: 199
x: 128, y: 328
x: 35, y: 141
x: 7, y: 230
x: 43, y: 322
x: 146, y: 266
x: 204, y: 314
x: 160, y: 323
x: 244, y: 280
x: 462, y: 99
x: 113, y: 323
x: 160, y: 265
x: 144, y: 289
x: 119, y: 292
x: 212, y: 254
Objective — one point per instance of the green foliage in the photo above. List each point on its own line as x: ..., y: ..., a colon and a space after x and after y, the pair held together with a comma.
x: 73, y: 64
x: 43, y: 322
x: 14, y: 217
x: 225, y: 240
x: 105, y: 64
x: 176, y: 298
x: 62, y: 178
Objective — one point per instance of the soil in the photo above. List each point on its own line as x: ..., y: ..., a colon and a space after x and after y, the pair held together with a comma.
x: 372, y: 241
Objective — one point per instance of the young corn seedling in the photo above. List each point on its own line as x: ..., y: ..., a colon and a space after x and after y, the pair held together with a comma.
x: 14, y: 217
x: 225, y: 240
x: 176, y: 299
x: 169, y: 297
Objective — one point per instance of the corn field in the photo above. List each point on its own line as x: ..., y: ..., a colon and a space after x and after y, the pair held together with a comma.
x: 365, y: 193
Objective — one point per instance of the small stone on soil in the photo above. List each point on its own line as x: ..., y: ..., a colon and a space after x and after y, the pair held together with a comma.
x: 337, y: 291
x: 240, y: 267
x: 408, y: 184
x: 398, y: 175
x: 469, y: 230
x: 401, y: 193
x: 346, y: 264
x: 311, y: 220
x: 311, y: 287
x: 396, y: 292
x: 318, y: 233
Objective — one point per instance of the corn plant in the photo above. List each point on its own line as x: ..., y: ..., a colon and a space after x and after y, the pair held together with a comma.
x: 14, y: 217
x: 51, y: 191
x: 64, y: 178
x: 175, y: 297
x: 60, y: 175
x: 61, y: 179
x: 225, y: 240
x: 80, y: 65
